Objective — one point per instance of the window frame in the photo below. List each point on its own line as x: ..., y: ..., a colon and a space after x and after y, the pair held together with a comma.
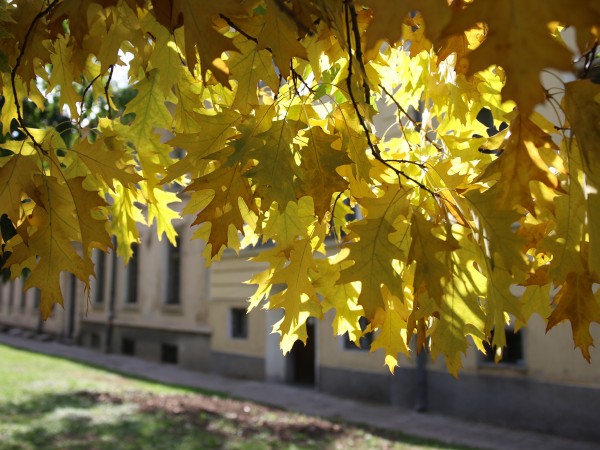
x: 486, y: 360
x: 173, y: 279
x: 239, y: 328
x: 132, y: 274
x: 99, y: 288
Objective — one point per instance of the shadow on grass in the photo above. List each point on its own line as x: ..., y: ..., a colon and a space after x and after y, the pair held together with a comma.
x: 142, y: 420
x: 88, y: 426
x: 135, y: 420
x: 190, y: 419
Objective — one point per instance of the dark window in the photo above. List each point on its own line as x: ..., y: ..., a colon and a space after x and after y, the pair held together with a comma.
x: 512, y: 354
x: 37, y: 299
x: 94, y: 340
x: 128, y: 346
x: 11, y: 295
x: 168, y: 353
x: 174, y: 272
x: 239, y: 323
x: 100, y: 277
x: 132, y: 275
x: 23, y: 302
x: 365, y: 341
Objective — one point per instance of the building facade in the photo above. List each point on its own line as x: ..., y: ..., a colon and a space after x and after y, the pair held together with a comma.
x: 167, y: 306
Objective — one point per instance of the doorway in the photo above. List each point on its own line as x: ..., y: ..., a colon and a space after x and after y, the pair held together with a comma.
x: 302, y: 359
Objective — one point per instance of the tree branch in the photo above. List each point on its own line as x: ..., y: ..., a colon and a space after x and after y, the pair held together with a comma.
x: 13, y: 73
x: 411, y: 120
x: 374, y: 149
x: 358, y: 50
x: 239, y: 30
x: 288, y: 12
x: 85, y: 91
x: 106, y: 85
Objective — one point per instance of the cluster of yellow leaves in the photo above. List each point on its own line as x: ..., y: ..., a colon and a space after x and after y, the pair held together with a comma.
x: 390, y: 150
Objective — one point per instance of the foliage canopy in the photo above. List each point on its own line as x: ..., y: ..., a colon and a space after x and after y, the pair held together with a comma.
x: 394, y: 152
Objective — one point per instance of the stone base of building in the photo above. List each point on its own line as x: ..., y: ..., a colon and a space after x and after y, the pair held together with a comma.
x: 189, y: 350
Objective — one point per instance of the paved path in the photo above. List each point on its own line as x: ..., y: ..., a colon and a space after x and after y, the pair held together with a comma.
x: 444, y: 429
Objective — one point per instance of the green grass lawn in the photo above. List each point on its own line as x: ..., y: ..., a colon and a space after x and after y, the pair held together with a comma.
x: 52, y: 403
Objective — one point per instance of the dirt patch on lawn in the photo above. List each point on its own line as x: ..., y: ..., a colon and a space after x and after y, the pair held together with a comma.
x: 247, y: 418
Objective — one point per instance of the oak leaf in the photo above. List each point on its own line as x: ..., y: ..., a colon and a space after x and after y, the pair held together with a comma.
x: 519, y: 41
x: 51, y: 244
x: 319, y: 162
x: 299, y: 298
x: 227, y: 187
x: 577, y: 303
x: 519, y: 164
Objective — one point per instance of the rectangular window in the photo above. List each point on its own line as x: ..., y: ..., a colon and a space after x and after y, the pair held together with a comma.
x: 11, y: 296
x: 174, y: 272
x: 23, y: 302
x: 100, y: 276
x: 132, y: 276
x: 512, y: 354
x: 37, y: 299
x: 365, y: 341
x: 94, y: 340
x: 168, y: 353
x: 23, y: 299
x: 238, y: 323
x: 128, y: 346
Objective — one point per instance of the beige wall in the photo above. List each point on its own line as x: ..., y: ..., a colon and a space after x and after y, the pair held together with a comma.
x: 150, y: 309
x: 552, y: 356
x: 208, y: 295
x: 24, y: 314
x: 227, y: 291
x: 333, y: 354
x: 548, y: 357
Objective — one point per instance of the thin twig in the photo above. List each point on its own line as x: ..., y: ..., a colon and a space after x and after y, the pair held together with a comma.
x: 85, y: 91
x: 13, y: 73
x: 297, y: 76
x: 589, y: 59
x: 238, y: 29
x: 332, y: 220
x: 358, y: 50
x: 407, y: 161
x: 374, y: 149
x: 413, y: 121
x: 288, y: 12
x: 106, y: 86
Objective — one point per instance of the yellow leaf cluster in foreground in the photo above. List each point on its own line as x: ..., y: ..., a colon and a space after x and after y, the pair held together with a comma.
x: 403, y: 157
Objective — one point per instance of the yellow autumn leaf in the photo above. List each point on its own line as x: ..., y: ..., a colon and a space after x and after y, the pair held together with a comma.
x: 577, y: 303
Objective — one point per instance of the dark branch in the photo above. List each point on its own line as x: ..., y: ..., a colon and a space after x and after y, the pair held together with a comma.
x: 374, y: 149
x: 85, y: 91
x: 288, y: 12
x: 13, y: 72
x: 332, y: 219
x: 296, y: 76
x: 239, y: 30
x: 358, y: 50
x: 106, y: 86
x: 416, y: 124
